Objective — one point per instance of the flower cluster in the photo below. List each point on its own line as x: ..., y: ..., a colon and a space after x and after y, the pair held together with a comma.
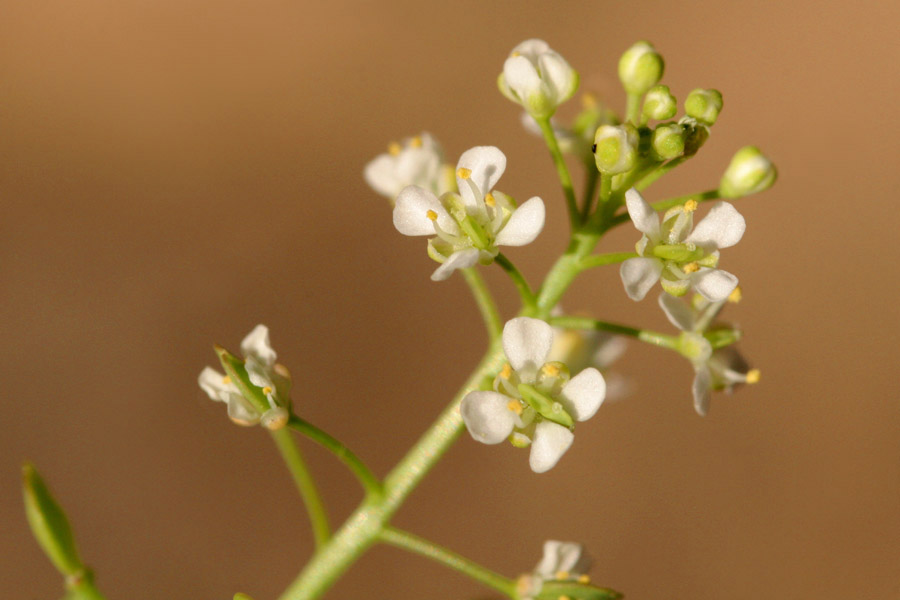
x: 534, y: 402
x: 470, y: 225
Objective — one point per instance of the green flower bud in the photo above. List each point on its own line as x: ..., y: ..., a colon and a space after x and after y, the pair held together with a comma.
x: 49, y: 524
x: 668, y: 141
x: 704, y: 105
x: 749, y: 172
x: 640, y: 68
x: 659, y: 103
x: 615, y: 148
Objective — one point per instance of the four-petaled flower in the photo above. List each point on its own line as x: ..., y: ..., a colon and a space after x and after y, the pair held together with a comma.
x: 715, y: 369
x: 534, y: 402
x: 538, y: 78
x: 561, y: 562
x: 469, y: 225
x: 418, y: 160
x: 272, y: 380
x: 677, y: 256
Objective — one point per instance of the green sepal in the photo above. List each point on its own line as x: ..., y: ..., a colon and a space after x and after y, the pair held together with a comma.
x: 721, y: 337
x: 544, y: 406
x: 234, y: 368
x: 49, y: 524
x: 553, y: 590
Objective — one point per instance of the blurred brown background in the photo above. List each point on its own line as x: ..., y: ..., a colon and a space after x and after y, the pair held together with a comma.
x: 174, y: 172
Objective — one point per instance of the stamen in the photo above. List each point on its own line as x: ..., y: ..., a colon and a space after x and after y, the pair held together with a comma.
x: 690, y: 206
x: 550, y: 370
x: 506, y: 371
x: 736, y: 295
x: 226, y: 380
x: 463, y: 173
x: 562, y: 575
x: 584, y: 579
x: 691, y: 267
x: 753, y: 376
x: 394, y: 148
x: 515, y: 406
x: 514, y: 54
x: 267, y: 390
x: 489, y: 200
x: 416, y: 142
x: 432, y: 216
x: 588, y: 100
x: 564, y: 598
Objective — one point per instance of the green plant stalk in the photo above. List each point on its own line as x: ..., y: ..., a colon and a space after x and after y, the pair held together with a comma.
x: 644, y: 335
x: 590, y: 187
x: 303, y: 479
x: 485, y: 301
x: 423, y: 547
x: 661, y: 170
x: 599, y: 260
x: 370, y: 483
x: 633, y: 109
x: 82, y: 587
x: 561, y: 170
x: 528, y: 299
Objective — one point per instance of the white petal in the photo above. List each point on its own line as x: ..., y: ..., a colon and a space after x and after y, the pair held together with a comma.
x: 256, y: 346
x: 487, y: 416
x: 639, y: 275
x: 462, y: 259
x: 527, y: 342
x: 642, y: 214
x: 679, y: 313
x: 213, y: 383
x: 531, y: 48
x: 521, y: 76
x: 486, y: 164
x: 241, y: 411
x: 563, y: 556
x: 381, y: 176
x: 610, y: 348
x: 722, y: 227
x: 714, y: 284
x: 411, y: 213
x: 584, y: 394
x: 702, y: 384
x: 551, y: 441
x: 561, y: 77
x: 259, y: 374
x: 524, y: 225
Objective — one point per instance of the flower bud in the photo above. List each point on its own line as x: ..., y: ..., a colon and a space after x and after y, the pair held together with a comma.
x: 749, y: 172
x: 49, y: 524
x: 704, y: 105
x: 659, y: 103
x: 668, y: 141
x: 538, y: 78
x: 615, y: 148
x: 640, y: 68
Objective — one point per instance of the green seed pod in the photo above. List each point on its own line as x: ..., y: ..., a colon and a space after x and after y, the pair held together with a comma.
x: 750, y: 172
x: 615, y: 148
x: 659, y: 103
x: 704, y: 105
x: 640, y: 68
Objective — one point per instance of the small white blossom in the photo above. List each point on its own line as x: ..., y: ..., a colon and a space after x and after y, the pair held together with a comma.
x: 681, y: 258
x: 418, y: 160
x: 582, y: 348
x: 719, y: 369
x: 535, y: 402
x: 562, y: 561
x: 273, y: 380
x: 469, y: 225
x: 537, y: 77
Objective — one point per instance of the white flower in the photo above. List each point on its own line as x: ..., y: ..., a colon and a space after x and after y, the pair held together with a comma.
x: 562, y: 561
x: 273, y: 381
x: 534, y: 402
x: 469, y: 225
x: 537, y: 78
x: 681, y: 258
x: 418, y: 160
x: 719, y: 369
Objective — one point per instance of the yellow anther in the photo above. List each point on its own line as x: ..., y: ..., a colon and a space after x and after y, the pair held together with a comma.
x: 515, y: 406
x: 562, y: 575
x: 463, y: 173
x: 490, y: 200
x: 431, y: 215
x: 416, y: 142
x: 506, y: 371
x: 267, y: 390
x: 753, y: 376
x: 394, y: 148
x: 588, y: 100
x: 514, y: 54
x: 736, y: 295
x: 691, y: 267
x: 690, y: 206
x: 550, y: 370
x: 564, y: 598
x: 584, y: 579
x: 226, y: 380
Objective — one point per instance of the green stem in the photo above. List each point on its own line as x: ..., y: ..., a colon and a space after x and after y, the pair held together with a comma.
x: 590, y: 187
x: 518, y: 280
x: 669, y: 203
x: 599, y: 260
x: 81, y: 587
x: 413, y: 543
x: 364, y: 526
x: 661, y: 170
x: 485, y: 301
x: 561, y: 170
x: 370, y: 483
x: 650, y: 337
x: 633, y: 109
x: 305, y: 484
